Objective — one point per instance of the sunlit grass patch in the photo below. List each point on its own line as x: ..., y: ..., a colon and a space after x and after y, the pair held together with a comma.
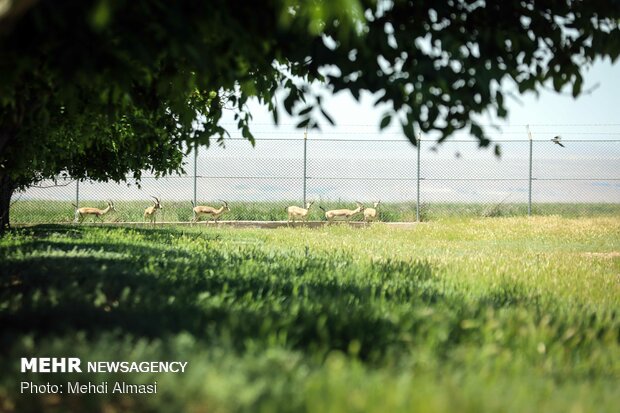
x: 495, y: 314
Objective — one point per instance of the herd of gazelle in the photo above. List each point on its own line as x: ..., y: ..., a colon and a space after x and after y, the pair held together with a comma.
x: 370, y: 214
x: 294, y: 212
x: 150, y: 213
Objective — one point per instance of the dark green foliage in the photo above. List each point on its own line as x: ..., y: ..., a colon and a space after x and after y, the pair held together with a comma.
x: 103, y: 88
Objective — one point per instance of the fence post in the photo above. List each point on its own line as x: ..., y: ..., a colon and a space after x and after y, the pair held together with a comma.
x: 77, y: 193
x: 529, y: 197
x: 417, y: 202
x: 305, y: 163
x: 195, y: 170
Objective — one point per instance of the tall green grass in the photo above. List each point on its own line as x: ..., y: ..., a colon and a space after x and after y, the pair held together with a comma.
x: 494, y: 315
x: 26, y: 212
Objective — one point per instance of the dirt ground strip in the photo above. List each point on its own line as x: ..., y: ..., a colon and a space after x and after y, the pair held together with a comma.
x: 259, y: 224
x: 612, y: 254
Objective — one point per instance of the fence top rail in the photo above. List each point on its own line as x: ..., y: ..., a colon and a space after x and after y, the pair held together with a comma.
x: 384, y: 133
x: 515, y: 179
x: 384, y: 178
x: 405, y: 140
x: 513, y: 125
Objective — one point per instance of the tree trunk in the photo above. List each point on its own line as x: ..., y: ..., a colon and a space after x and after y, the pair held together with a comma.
x: 6, y: 192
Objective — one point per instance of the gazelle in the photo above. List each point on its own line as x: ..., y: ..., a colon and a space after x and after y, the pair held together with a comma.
x: 209, y: 210
x: 81, y: 213
x: 152, y: 210
x: 295, y: 212
x: 342, y: 214
x: 370, y: 214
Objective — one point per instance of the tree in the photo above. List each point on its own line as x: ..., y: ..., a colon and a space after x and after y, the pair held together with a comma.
x: 102, y: 88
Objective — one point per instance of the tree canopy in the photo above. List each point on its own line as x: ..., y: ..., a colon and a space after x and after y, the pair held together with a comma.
x: 102, y: 88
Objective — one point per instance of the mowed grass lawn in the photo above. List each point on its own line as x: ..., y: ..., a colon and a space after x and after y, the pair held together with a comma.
x: 493, y: 315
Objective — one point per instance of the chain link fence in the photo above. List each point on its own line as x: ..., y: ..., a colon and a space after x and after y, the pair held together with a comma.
x: 457, y: 178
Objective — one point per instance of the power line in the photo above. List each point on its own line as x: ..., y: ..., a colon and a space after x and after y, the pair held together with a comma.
x: 490, y: 125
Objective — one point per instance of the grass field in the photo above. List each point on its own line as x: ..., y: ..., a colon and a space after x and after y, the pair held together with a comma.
x: 58, y: 212
x: 467, y: 315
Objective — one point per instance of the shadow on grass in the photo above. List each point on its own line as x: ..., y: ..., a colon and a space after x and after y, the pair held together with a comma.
x: 53, y: 285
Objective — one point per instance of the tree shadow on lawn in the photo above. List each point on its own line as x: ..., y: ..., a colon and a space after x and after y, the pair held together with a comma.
x: 155, y: 291
x: 76, y: 231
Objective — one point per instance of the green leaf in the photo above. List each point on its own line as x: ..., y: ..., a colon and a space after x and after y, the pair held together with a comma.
x: 274, y: 113
x: 498, y: 151
x: 289, y: 101
x: 326, y: 116
x: 101, y: 15
x: 476, y: 131
x: 409, y: 132
x: 557, y: 83
x: 577, y: 85
x: 385, y: 121
x: 303, y: 123
x: 305, y: 111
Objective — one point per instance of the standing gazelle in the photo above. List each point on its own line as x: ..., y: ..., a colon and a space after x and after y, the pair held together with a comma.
x: 81, y: 213
x: 370, y: 214
x: 152, y: 210
x: 295, y: 212
x: 342, y: 214
x: 209, y: 210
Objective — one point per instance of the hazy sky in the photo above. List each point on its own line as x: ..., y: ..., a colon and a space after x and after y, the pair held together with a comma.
x: 593, y: 116
x: 548, y: 114
x: 580, y: 172
x: 602, y: 106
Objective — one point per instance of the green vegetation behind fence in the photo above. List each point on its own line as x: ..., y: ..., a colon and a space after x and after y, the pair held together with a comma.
x: 24, y: 212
